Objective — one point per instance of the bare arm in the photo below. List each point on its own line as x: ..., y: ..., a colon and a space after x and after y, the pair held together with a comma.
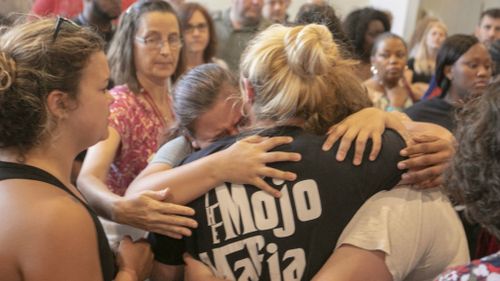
x: 350, y: 263
x: 60, y: 244
x: 146, y: 210
x: 243, y: 162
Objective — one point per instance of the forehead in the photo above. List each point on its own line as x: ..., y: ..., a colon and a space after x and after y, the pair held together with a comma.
x: 487, y: 20
x: 375, y: 25
x: 161, y: 22
x: 96, y: 71
x: 478, y: 51
x: 391, y: 43
x: 218, y: 118
x: 197, y: 16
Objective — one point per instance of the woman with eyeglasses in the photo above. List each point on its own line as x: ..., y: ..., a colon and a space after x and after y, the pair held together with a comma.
x: 200, y: 40
x: 54, y: 104
x: 143, y: 57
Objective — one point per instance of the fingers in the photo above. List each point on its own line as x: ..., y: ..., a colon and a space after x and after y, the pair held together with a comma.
x: 426, y: 144
x: 420, y: 176
x: 278, y: 156
x: 254, y: 139
x: 360, y: 147
x: 174, y: 209
x: 376, y: 146
x: 277, y: 174
x: 345, y: 144
x: 167, y: 217
x: 273, y: 142
x: 424, y: 160
x: 334, y: 133
x: 159, y: 195
x: 262, y: 185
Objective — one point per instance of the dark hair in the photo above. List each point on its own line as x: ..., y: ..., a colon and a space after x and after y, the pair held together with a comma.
x: 451, y: 50
x: 197, y: 91
x: 356, y: 26
x: 473, y: 177
x: 186, y: 11
x: 384, y: 36
x: 494, y: 50
x: 492, y: 13
x: 34, y: 62
x: 325, y: 15
x: 121, y: 50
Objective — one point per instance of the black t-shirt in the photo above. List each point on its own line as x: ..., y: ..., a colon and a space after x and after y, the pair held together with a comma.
x: 435, y: 110
x: 246, y: 234
x: 418, y: 77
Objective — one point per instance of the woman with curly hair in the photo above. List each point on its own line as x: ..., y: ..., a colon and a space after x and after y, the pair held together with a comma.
x: 362, y: 27
x: 473, y: 177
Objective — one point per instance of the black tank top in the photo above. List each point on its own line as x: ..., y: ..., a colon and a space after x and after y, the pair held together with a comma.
x: 10, y: 170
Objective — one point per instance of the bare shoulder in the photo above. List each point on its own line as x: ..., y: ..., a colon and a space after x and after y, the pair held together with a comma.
x: 49, y: 230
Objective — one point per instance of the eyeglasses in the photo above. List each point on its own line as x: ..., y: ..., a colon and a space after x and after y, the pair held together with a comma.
x: 202, y: 27
x: 59, y: 22
x: 156, y: 43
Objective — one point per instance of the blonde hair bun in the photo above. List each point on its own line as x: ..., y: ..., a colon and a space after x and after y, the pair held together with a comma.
x: 7, y: 71
x: 310, y: 50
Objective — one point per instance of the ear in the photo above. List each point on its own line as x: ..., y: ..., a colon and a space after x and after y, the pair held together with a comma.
x: 477, y: 30
x: 193, y: 142
x: 448, y: 72
x: 58, y: 104
x: 249, y: 90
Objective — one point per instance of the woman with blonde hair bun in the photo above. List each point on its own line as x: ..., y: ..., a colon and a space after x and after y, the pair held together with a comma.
x: 296, y: 84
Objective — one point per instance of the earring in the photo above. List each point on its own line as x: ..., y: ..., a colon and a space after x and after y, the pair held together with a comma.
x: 374, y: 70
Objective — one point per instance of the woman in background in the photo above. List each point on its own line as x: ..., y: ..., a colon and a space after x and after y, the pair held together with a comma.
x: 200, y: 40
x: 388, y: 88
x: 362, y: 27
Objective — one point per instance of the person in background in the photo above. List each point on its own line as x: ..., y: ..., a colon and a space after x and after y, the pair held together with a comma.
x: 362, y: 27
x: 325, y: 14
x: 418, y: 32
x: 494, y: 50
x: 99, y: 14
x: 65, y: 8
x: 52, y: 233
x: 488, y: 29
x: 143, y: 55
x: 235, y: 27
x: 200, y: 39
x: 423, y: 62
x: 473, y: 178
x: 274, y: 11
x: 463, y: 70
x: 388, y: 88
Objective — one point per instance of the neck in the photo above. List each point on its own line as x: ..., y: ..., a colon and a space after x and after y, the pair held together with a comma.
x: 194, y: 59
x: 453, y: 97
x: 50, y: 157
x: 156, y: 88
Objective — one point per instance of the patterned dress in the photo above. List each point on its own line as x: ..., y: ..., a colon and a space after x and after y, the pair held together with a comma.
x: 485, y: 269
x: 140, y: 127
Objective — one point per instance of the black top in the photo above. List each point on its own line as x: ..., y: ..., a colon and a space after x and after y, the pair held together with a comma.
x: 245, y: 234
x: 435, y: 110
x: 418, y: 77
x: 10, y: 170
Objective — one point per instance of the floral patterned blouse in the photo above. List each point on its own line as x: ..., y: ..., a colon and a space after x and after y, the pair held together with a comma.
x: 141, y: 128
x: 485, y: 269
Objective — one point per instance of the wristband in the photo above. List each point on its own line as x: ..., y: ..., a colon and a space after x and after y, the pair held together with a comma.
x: 393, y: 108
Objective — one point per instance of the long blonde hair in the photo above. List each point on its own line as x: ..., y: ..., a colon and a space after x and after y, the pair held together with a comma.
x: 424, y: 63
x: 300, y: 72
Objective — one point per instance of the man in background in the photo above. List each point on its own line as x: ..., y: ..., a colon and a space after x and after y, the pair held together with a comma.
x: 235, y: 27
x: 488, y: 29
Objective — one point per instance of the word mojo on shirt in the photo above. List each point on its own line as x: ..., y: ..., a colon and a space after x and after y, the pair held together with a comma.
x: 243, y: 214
